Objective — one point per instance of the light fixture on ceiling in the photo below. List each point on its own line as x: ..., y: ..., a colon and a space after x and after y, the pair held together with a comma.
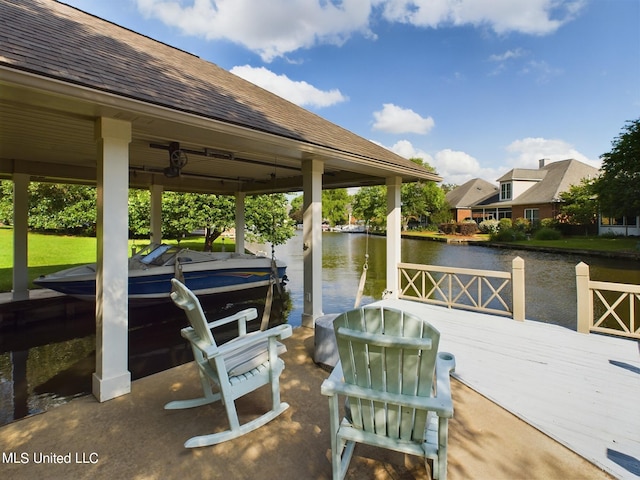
x: 177, y: 160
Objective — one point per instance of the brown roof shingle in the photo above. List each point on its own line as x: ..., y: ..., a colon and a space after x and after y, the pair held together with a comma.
x: 58, y: 41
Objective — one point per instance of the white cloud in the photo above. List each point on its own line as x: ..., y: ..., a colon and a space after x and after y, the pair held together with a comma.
x: 509, y: 54
x: 394, y: 119
x: 541, y: 70
x: 526, y: 152
x: 453, y: 166
x: 458, y: 167
x: 299, y: 92
x: 537, y: 17
x: 275, y: 28
x: 271, y: 28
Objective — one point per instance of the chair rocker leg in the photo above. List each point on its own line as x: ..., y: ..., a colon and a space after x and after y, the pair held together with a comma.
x: 209, y: 397
x: 342, y: 458
x: 215, y: 438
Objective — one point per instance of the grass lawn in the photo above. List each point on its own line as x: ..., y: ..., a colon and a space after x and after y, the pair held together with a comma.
x: 617, y: 244
x: 51, y: 253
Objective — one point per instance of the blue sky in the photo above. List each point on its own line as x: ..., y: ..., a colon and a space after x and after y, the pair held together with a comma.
x: 473, y: 87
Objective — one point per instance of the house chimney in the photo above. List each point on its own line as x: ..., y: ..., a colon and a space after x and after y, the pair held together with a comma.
x: 541, y: 162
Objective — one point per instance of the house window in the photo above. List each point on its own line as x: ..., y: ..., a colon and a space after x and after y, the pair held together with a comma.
x: 532, y: 214
x: 504, y: 213
x: 505, y: 191
x: 618, y: 221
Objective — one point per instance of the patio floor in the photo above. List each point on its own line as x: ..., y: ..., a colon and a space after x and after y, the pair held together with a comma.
x: 133, y: 437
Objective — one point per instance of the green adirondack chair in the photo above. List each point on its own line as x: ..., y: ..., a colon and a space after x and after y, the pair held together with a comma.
x: 233, y: 369
x: 396, y: 384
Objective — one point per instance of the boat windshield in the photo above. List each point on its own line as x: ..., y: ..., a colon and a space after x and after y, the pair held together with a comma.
x: 157, y: 255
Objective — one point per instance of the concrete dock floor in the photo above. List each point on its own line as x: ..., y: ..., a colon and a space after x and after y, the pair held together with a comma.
x: 133, y: 437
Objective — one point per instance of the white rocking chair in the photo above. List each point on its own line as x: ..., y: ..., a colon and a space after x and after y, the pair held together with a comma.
x: 234, y: 369
x: 388, y: 364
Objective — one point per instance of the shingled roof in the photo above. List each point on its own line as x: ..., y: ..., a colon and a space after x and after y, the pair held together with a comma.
x: 471, y: 193
x: 551, y: 180
x: 558, y: 178
x: 53, y: 40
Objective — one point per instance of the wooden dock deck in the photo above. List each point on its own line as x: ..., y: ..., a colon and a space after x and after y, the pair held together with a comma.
x: 581, y: 390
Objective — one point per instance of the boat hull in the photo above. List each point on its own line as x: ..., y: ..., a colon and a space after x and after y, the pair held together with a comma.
x: 80, y: 282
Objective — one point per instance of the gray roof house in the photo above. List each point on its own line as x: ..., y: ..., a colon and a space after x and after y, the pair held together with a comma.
x: 474, y: 192
x: 525, y: 193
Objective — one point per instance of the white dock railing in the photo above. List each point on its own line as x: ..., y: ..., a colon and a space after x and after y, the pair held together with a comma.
x: 480, y: 290
x: 607, y: 307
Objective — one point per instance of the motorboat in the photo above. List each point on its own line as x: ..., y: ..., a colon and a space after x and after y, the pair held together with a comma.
x: 152, y: 268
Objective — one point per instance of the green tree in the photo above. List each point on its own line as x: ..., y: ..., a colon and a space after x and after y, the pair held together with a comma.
x: 334, y: 206
x: 618, y: 187
x: 182, y: 213
x: 579, y: 204
x: 422, y: 198
x: 296, y: 212
x: 53, y: 207
x: 267, y: 219
x: 6, y: 202
x: 139, y: 213
x: 369, y: 204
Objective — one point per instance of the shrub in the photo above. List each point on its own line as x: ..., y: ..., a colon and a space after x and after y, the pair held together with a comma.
x: 505, y: 224
x: 489, y: 226
x: 508, y: 235
x: 546, y: 233
x: 468, y: 228
x: 522, y: 224
x: 548, y: 223
x: 448, y: 228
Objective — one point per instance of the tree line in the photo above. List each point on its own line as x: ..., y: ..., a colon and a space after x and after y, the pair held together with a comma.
x: 423, y: 204
x: 71, y: 209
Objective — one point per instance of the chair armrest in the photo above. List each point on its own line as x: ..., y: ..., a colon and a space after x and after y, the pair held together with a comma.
x: 279, y: 331
x: 328, y: 386
x: 241, y: 317
x: 207, y: 349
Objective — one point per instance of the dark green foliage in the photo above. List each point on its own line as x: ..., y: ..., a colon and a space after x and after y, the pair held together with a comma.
x: 547, y: 234
x: 69, y: 209
x: 618, y: 188
x: 334, y: 206
x: 580, y: 204
x: 267, y: 219
x: 463, y: 228
x: 296, y: 212
x: 508, y: 235
x: 370, y: 205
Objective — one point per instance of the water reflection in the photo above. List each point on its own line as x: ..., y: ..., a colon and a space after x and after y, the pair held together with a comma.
x: 44, y: 363
x: 50, y: 360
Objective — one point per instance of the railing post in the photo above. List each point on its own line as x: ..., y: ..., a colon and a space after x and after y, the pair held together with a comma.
x: 584, y: 298
x: 517, y: 286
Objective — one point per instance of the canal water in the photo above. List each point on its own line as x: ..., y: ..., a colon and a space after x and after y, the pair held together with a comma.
x: 47, y: 358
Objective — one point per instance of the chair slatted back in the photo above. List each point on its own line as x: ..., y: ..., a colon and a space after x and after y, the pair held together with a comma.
x: 387, y: 350
x: 187, y: 301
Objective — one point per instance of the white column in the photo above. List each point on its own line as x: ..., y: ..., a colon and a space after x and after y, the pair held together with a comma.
x: 112, y: 377
x: 394, y: 219
x: 312, y: 241
x: 20, y: 230
x: 156, y: 213
x: 240, y: 221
